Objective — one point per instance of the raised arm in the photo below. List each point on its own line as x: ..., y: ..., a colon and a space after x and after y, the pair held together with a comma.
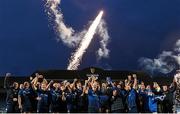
x: 109, y: 81
x: 48, y: 86
x: 63, y: 96
x: 85, y: 88
x: 74, y: 83
x: 7, y: 81
x: 19, y: 102
x: 172, y: 87
x: 135, y: 81
x: 34, y: 83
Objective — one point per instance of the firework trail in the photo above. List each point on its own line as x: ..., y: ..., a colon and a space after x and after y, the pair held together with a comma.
x: 68, y: 35
x: 77, y: 56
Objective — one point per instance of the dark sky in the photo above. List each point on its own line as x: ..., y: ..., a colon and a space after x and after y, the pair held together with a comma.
x: 138, y: 28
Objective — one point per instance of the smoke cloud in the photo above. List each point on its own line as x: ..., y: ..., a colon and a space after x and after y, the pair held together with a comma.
x: 102, y: 30
x: 66, y: 34
x: 165, y: 63
x: 69, y: 36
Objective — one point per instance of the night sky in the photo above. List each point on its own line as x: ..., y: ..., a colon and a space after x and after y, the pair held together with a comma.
x: 138, y: 28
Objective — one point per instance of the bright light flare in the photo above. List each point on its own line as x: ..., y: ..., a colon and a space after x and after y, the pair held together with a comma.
x: 84, y: 44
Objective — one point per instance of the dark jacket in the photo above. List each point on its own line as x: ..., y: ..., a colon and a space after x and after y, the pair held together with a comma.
x: 11, y: 92
x: 117, y: 103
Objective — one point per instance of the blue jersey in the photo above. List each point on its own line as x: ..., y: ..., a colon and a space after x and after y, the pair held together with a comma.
x: 152, y: 104
x: 104, y: 101
x: 44, y: 102
x: 56, y: 96
x: 132, y: 98
x: 26, y: 97
x: 70, y: 97
x: 57, y: 104
x: 131, y: 101
x: 93, y: 101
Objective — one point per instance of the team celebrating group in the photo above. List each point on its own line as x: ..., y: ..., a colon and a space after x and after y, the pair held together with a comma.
x: 92, y: 95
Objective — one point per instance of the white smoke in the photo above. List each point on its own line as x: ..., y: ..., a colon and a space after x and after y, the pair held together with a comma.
x: 103, y: 51
x: 166, y: 62
x: 177, y: 50
x: 68, y: 35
